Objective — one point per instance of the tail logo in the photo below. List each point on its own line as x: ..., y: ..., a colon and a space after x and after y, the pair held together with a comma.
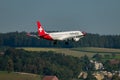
x: 40, y: 29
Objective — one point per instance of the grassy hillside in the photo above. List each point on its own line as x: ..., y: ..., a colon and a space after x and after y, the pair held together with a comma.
x: 18, y: 76
x: 78, y: 52
x: 98, y: 50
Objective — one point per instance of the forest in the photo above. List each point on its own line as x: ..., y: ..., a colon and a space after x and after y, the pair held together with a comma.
x: 20, y: 39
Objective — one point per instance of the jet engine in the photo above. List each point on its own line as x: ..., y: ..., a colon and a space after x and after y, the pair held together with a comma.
x: 76, y: 39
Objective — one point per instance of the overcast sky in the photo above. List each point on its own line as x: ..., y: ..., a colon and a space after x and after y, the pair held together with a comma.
x: 92, y: 16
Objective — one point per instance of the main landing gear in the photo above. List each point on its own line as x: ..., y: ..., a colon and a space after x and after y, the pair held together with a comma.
x: 56, y: 42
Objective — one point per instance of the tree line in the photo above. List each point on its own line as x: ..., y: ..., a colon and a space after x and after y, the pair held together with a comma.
x: 19, y: 39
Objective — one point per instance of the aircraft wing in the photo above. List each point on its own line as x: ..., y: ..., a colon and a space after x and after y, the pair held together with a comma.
x: 35, y: 36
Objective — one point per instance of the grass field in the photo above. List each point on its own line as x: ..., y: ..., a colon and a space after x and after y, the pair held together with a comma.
x: 98, y: 50
x: 18, y: 76
x: 78, y: 52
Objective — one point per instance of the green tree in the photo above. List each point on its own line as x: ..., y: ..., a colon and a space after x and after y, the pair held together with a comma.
x: 90, y: 76
x: 115, y: 77
x: 97, y: 57
x: 10, y: 65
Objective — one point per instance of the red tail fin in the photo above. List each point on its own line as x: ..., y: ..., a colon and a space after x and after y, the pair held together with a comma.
x: 41, y: 31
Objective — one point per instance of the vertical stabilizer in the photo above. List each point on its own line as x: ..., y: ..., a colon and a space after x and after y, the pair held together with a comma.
x: 41, y: 31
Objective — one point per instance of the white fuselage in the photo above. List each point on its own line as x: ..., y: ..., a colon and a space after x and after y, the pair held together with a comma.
x: 66, y: 35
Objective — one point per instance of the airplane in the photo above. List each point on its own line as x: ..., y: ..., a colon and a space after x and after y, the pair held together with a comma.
x: 58, y: 36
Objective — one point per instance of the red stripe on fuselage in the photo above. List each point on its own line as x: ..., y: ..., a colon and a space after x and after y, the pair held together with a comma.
x: 47, y: 36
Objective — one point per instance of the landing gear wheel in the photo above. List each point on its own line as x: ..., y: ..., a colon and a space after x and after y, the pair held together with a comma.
x: 66, y: 43
x: 55, y: 42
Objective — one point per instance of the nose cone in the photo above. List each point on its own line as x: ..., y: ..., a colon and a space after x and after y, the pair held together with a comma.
x: 84, y: 33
